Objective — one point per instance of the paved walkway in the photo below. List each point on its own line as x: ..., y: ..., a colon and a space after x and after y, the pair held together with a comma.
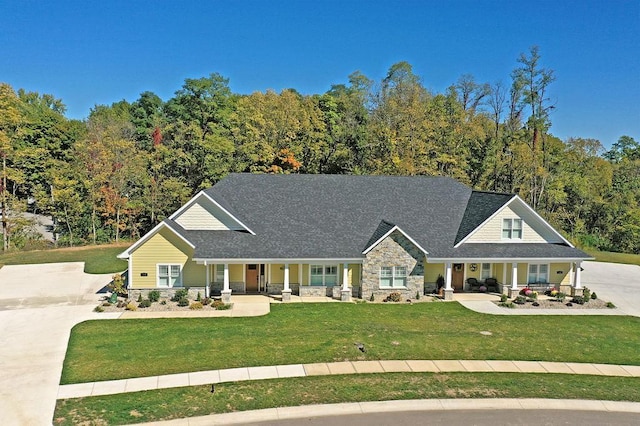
x: 398, y: 406
x: 334, y: 368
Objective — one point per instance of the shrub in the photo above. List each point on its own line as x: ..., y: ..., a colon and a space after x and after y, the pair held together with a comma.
x: 394, y: 297
x: 121, y: 304
x: 224, y: 307
x: 144, y: 304
x: 183, y: 293
x: 154, y: 295
x: 594, y: 296
x: 183, y: 302
x: 417, y: 295
x: 560, y: 296
x: 106, y: 303
x: 139, y: 298
x: 578, y: 299
x: 131, y: 306
x: 216, y: 304
x: 586, y: 294
x: 610, y: 305
x: 198, y: 297
x: 506, y: 305
x: 503, y: 298
x: 117, y: 285
x: 195, y: 306
x: 98, y: 309
x: 206, y: 301
x: 520, y: 300
x: 372, y: 298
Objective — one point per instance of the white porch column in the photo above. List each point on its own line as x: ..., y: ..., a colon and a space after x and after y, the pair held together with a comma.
x: 226, y: 290
x: 286, y: 277
x: 447, y: 277
x: 207, y: 279
x: 514, y: 276
x: 577, y: 283
x: 286, y: 292
x: 504, y: 274
x: 345, y: 277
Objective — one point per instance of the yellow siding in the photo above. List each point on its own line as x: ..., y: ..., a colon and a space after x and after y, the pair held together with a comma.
x: 293, y: 273
x: 236, y: 273
x: 432, y: 270
x: 277, y: 273
x: 492, y: 230
x: 559, y: 273
x: 523, y: 273
x: 472, y: 274
x: 205, y: 215
x: 498, y: 272
x: 164, y: 248
x: 354, y: 275
x: 305, y: 274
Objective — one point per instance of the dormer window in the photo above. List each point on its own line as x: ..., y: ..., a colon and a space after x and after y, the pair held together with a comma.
x: 511, y: 229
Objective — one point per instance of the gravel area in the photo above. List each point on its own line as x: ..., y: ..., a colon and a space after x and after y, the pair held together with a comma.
x: 545, y: 303
x: 163, y: 305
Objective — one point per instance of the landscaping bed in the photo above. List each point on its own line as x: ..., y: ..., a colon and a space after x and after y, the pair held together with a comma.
x: 554, y: 299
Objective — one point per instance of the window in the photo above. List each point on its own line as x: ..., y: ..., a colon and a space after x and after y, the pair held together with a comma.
x: 486, y: 271
x: 326, y: 275
x: 538, y: 274
x: 169, y: 276
x: 393, y: 276
x: 512, y: 229
x: 219, y: 274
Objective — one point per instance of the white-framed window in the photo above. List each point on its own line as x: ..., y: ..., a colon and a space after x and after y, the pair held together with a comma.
x: 393, y: 276
x: 219, y: 273
x: 325, y: 275
x: 485, y: 272
x: 512, y: 229
x: 538, y: 273
x: 169, y: 275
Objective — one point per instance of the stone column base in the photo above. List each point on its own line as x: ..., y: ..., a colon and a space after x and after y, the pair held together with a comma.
x: 577, y: 291
x: 513, y: 292
x: 448, y: 294
x: 286, y: 295
x: 345, y: 295
x: 226, y: 296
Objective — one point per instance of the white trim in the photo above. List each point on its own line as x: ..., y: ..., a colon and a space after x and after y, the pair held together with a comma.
x: 393, y: 276
x: 395, y: 228
x: 168, y: 265
x: 130, y: 272
x: 225, y: 211
x: 527, y: 207
x: 315, y: 261
x: 324, y: 274
x: 506, y: 259
x: 538, y: 271
x: 511, y: 229
x: 125, y: 254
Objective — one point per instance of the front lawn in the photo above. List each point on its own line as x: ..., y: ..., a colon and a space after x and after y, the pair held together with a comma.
x: 609, y: 256
x: 98, y: 259
x: 192, y: 401
x: 307, y: 333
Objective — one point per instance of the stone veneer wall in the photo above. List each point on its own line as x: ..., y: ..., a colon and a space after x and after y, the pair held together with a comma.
x: 165, y: 292
x: 395, y: 250
x: 276, y: 288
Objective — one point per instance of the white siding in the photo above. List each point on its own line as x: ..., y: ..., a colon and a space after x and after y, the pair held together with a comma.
x: 533, y: 230
x: 203, y: 215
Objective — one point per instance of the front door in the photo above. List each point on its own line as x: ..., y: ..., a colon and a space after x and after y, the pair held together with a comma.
x: 252, y: 278
x: 457, y: 277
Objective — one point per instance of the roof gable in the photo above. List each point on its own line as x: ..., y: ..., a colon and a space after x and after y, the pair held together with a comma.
x: 162, y: 225
x: 480, y: 208
x: 203, y: 213
x: 383, y: 231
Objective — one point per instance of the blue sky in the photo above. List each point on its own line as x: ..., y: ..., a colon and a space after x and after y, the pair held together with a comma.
x: 88, y: 53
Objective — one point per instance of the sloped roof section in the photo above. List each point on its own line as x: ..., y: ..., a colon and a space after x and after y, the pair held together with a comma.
x: 481, y: 206
x: 383, y: 229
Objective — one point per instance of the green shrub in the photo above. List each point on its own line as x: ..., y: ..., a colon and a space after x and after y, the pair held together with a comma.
x: 144, y: 304
x: 216, y: 304
x: 610, y: 305
x: 98, y: 309
x: 560, y: 296
x: 154, y: 295
x: 578, y: 299
x: 503, y: 298
x: 394, y: 297
x: 520, y: 300
x: 506, y: 305
x: 594, y: 296
x: 206, y: 301
x: 117, y: 285
x: 372, y: 298
x: 183, y: 302
x: 417, y: 295
x: 183, y: 293
x: 139, y: 298
x: 195, y: 306
x: 198, y: 297
x: 586, y: 294
x: 224, y: 307
x: 131, y: 306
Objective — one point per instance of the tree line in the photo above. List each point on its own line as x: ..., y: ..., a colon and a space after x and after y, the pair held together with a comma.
x: 127, y: 166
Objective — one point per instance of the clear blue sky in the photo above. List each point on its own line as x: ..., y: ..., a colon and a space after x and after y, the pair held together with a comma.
x: 99, y: 52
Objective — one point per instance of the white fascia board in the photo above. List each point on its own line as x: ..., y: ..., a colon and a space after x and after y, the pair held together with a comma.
x: 395, y: 228
x: 316, y: 261
x: 507, y: 259
x: 497, y: 212
x: 204, y: 194
x: 540, y: 218
x: 125, y: 254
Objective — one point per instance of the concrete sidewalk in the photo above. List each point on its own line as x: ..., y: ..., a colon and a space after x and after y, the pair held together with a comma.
x: 397, y: 406
x: 337, y: 368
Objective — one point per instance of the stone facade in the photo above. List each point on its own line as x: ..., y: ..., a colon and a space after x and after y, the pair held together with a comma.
x: 234, y: 286
x: 395, y: 250
x: 315, y: 291
x: 165, y: 292
x: 276, y: 288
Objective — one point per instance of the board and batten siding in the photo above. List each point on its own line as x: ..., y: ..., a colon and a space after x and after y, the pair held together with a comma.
x: 164, y: 248
x: 533, y: 231
x: 203, y: 215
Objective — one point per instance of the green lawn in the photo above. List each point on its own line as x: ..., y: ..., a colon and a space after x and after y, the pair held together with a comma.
x: 306, y: 333
x: 98, y: 259
x: 192, y: 401
x: 608, y: 256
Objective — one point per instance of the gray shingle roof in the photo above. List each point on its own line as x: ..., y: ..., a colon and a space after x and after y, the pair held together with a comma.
x: 338, y: 216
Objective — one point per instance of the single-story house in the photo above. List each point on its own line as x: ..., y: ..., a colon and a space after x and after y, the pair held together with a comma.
x: 350, y: 236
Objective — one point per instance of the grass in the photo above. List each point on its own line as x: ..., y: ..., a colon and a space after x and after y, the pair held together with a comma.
x: 192, y: 401
x: 307, y: 333
x: 98, y: 259
x: 608, y: 256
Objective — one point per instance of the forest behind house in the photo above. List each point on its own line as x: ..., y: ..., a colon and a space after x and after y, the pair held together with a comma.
x: 128, y: 166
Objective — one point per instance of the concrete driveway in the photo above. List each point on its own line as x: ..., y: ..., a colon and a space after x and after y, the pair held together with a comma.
x: 614, y: 282
x: 39, y: 304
